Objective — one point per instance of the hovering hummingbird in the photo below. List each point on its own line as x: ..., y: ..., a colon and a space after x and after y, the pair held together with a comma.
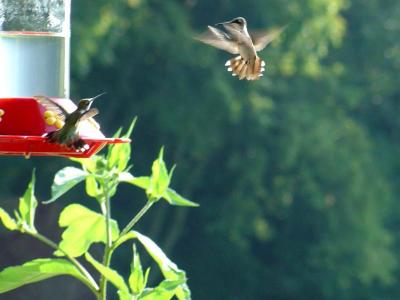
x: 68, y: 134
x: 237, y: 40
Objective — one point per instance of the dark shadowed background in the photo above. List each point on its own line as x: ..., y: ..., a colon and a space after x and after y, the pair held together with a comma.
x: 297, y: 174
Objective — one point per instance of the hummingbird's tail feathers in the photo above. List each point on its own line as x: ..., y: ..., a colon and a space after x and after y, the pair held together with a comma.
x: 53, y: 136
x: 257, y: 67
x: 80, y: 145
x: 237, y: 66
x: 246, y: 69
x: 75, y: 142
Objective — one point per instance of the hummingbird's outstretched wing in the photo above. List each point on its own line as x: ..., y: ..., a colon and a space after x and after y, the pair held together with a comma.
x: 262, y: 38
x: 50, y: 104
x: 219, y: 39
x: 89, y: 115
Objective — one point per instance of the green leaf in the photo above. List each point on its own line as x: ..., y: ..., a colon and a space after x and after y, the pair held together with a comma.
x: 137, y: 280
x: 169, y: 269
x: 125, y: 177
x: 8, y: 222
x: 117, y: 134
x: 110, y: 274
x: 142, y: 182
x: 88, y: 164
x: 174, y: 198
x: 160, y: 178
x: 119, y: 154
x: 84, y: 227
x: 146, y: 277
x: 128, y: 133
x: 124, y: 295
x: 164, y: 291
x: 64, y: 180
x: 36, y: 270
x: 27, y: 206
x: 171, y: 172
x: 92, y: 187
x: 122, y: 239
x: 183, y: 292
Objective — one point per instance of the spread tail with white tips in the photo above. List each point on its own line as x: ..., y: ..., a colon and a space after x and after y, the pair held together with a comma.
x: 250, y: 69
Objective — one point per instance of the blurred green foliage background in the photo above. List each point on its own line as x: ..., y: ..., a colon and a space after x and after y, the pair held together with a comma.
x: 297, y: 174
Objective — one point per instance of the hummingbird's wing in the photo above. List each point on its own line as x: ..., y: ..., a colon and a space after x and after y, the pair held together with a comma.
x: 51, y: 105
x: 89, y: 115
x: 262, y: 38
x: 219, y: 39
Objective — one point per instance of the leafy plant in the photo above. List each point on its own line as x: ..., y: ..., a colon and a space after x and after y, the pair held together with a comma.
x: 83, y: 227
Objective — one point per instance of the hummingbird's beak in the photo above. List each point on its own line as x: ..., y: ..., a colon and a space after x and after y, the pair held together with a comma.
x: 95, y: 97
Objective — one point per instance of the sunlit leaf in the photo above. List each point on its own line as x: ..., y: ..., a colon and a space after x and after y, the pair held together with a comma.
x: 64, y: 180
x: 128, y: 133
x: 124, y: 295
x: 119, y: 154
x: 88, y: 164
x: 137, y: 280
x: 34, y: 271
x: 142, y: 181
x: 7, y: 221
x: 160, y: 179
x: 164, y: 291
x: 174, y: 198
x: 147, y: 183
x: 27, y: 206
x: 84, y: 227
x: 122, y: 239
x: 169, y: 269
x: 110, y: 274
x: 125, y: 177
x: 92, y: 187
x: 117, y: 134
x: 183, y: 292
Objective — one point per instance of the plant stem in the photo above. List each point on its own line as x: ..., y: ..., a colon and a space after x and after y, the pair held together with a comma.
x: 103, y: 281
x: 107, y: 250
x: 108, y: 218
x: 91, y: 283
x: 136, y: 218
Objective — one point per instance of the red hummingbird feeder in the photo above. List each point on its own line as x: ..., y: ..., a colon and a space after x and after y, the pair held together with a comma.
x: 23, y: 129
x: 34, y: 60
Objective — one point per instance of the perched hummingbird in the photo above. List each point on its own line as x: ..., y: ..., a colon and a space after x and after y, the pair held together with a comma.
x: 68, y: 134
x: 237, y: 40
